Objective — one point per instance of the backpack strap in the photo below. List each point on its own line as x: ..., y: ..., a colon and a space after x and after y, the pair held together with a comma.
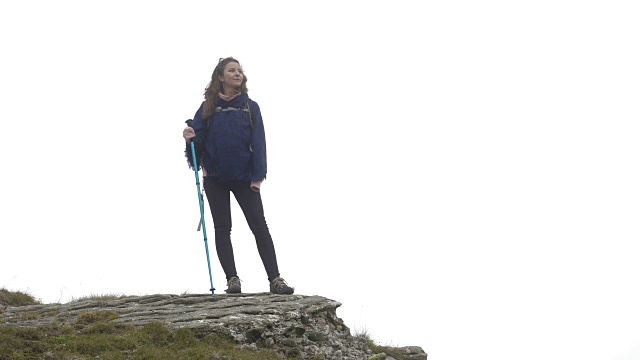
x: 247, y: 109
x: 250, y: 117
x: 250, y: 122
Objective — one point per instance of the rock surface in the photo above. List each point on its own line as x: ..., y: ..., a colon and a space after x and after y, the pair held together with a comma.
x: 291, y: 324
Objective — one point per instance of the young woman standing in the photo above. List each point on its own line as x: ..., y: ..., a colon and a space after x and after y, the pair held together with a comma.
x: 228, y: 134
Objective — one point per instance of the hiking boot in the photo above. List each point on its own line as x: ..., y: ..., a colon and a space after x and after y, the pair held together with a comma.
x: 233, y: 286
x: 279, y: 286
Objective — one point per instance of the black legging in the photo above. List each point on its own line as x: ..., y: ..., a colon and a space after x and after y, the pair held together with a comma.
x: 251, y: 204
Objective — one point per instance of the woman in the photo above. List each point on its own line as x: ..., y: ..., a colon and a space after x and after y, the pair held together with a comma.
x: 228, y: 135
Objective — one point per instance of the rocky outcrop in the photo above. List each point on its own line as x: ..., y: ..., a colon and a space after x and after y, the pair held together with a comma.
x: 295, y: 325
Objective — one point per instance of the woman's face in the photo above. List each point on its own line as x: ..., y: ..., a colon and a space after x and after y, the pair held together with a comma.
x: 232, y: 76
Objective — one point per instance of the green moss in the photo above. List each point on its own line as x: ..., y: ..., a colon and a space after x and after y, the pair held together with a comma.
x: 315, y: 336
x: 389, y: 351
x: 288, y: 342
x: 380, y: 356
x: 96, y: 316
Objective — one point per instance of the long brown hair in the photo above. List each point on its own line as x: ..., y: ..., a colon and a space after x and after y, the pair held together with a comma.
x: 215, y: 86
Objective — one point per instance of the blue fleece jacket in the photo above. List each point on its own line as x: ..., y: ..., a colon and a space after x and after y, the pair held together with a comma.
x: 227, y: 145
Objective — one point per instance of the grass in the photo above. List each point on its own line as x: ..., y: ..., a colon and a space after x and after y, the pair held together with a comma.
x: 362, y: 334
x: 16, y: 298
x: 96, y: 336
x: 98, y: 297
x: 109, y: 340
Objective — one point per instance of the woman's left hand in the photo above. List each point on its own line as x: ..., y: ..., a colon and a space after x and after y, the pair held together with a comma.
x: 188, y: 133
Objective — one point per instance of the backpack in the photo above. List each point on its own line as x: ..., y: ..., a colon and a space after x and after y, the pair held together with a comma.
x: 219, y: 109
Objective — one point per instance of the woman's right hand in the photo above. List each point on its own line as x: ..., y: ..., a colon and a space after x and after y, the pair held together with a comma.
x: 188, y: 133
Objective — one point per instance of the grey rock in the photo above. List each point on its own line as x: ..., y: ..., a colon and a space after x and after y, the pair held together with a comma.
x: 294, y: 325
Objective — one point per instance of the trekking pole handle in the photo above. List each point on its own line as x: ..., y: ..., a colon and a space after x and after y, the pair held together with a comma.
x: 189, y: 123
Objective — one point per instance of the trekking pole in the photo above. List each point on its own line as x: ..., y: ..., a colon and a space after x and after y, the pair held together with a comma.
x: 204, y: 228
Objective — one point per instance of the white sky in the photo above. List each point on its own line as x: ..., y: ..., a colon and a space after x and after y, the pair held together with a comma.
x: 460, y: 175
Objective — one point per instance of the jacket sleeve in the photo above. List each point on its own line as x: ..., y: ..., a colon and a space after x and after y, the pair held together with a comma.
x: 258, y: 145
x: 199, y: 126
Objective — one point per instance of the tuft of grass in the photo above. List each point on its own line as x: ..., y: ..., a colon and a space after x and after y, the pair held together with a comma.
x: 380, y: 351
x: 37, y: 314
x: 98, y: 297
x: 362, y: 334
x: 91, y: 317
x: 16, y: 298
